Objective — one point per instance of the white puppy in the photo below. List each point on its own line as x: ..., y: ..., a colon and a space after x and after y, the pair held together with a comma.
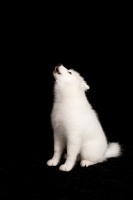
x: 75, y: 123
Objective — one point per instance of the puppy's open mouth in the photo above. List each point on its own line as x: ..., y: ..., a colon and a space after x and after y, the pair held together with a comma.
x: 57, y: 70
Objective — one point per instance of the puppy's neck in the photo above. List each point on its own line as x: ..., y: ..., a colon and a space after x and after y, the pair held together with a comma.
x: 68, y: 92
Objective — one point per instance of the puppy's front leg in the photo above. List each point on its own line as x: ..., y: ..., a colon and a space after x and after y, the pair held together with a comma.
x: 73, y: 149
x: 59, y: 145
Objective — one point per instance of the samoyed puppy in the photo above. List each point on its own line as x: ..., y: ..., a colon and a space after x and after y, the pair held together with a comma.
x: 75, y: 124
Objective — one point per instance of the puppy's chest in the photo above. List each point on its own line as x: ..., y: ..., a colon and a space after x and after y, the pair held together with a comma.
x: 66, y: 118
x: 65, y: 111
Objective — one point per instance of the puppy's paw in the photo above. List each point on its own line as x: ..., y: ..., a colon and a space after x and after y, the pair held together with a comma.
x: 65, y: 168
x: 52, y: 162
x: 85, y: 163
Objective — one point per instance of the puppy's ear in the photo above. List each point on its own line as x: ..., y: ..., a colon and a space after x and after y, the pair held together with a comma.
x: 84, y: 86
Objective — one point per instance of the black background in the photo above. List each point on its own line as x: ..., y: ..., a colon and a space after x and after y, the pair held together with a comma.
x: 98, y: 47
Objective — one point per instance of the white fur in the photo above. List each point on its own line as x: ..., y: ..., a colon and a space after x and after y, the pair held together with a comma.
x: 76, y: 125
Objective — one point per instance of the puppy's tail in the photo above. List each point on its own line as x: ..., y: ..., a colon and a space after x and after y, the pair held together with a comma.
x: 114, y: 150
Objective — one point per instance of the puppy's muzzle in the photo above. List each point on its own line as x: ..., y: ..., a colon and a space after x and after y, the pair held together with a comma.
x: 57, y: 69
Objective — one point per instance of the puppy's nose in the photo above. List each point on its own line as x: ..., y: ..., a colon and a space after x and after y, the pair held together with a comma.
x: 58, y: 65
x: 56, y: 68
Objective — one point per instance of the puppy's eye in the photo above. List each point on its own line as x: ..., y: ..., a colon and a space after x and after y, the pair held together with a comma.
x: 69, y: 72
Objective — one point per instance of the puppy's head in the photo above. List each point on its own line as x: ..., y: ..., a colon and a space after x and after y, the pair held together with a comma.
x: 70, y: 77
